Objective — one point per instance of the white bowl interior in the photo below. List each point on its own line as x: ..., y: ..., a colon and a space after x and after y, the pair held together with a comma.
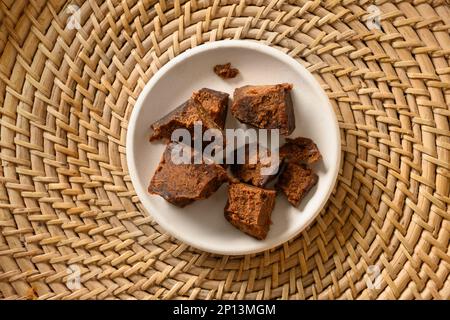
x: 202, y: 224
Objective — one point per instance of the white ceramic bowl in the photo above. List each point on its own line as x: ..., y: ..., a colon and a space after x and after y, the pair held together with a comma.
x: 202, y: 224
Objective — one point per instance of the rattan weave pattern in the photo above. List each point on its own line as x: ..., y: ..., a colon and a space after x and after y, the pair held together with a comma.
x: 66, y: 199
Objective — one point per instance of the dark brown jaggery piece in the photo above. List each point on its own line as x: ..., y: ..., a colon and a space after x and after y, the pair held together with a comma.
x: 300, y: 150
x: 295, y: 181
x: 251, y: 171
x: 185, y: 116
x: 265, y: 107
x: 181, y: 184
x: 249, y: 209
x: 215, y: 104
x: 225, y: 71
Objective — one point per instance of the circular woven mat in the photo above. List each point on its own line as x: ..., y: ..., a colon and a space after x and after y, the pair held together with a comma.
x: 68, y: 210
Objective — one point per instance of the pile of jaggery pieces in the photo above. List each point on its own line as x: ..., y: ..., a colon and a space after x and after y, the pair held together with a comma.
x: 250, y: 199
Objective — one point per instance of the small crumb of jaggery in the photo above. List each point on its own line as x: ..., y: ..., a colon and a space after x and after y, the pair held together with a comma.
x: 225, y: 71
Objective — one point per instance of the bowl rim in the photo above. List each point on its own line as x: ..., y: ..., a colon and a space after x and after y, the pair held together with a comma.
x: 248, y: 44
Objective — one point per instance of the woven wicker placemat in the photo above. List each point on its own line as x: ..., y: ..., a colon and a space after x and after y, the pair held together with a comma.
x: 68, y: 210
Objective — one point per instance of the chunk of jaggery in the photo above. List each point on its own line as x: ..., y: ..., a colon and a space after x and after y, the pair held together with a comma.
x: 258, y: 168
x: 185, y: 116
x: 265, y: 107
x: 295, y: 181
x: 300, y: 150
x: 225, y: 71
x: 215, y: 104
x: 182, y: 184
x: 249, y: 209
